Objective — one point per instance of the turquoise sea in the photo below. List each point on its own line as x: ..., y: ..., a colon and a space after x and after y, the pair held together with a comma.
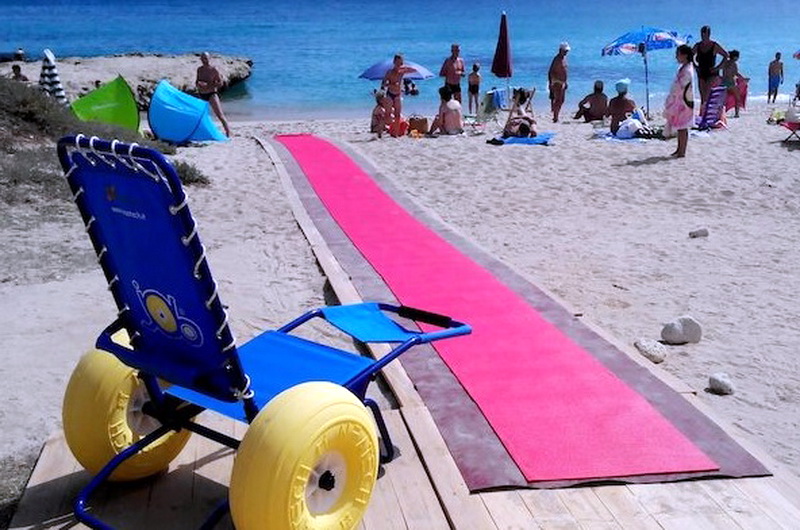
x: 308, y: 54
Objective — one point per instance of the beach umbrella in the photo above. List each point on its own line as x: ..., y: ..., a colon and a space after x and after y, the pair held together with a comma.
x: 377, y: 71
x: 644, y: 40
x: 502, y: 65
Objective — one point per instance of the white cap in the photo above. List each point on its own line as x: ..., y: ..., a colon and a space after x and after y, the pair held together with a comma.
x: 564, y: 46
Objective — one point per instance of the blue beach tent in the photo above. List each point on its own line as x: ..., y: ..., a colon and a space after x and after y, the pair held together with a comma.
x: 177, y: 117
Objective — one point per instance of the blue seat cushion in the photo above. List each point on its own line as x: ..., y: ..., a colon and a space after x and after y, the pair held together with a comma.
x: 276, y: 361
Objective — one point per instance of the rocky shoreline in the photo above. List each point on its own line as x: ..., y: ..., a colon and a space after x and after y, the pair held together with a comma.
x: 80, y: 75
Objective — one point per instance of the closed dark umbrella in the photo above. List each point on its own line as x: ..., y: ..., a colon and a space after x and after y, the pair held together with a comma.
x: 502, y: 66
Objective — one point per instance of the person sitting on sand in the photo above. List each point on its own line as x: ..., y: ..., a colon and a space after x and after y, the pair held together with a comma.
x: 474, y: 87
x: 621, y: 106
x: 520, y: 122
x: 593, y: 107
x: 381, y: 114
x: 17, y: 75
x: 393, y: 84
x: 730, y: 78
x: 449, y: 120
x: 208, y: 83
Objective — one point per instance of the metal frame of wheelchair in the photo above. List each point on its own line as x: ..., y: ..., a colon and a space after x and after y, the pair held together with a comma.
x: 310, y: 455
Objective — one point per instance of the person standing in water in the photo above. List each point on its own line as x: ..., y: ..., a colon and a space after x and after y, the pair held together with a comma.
x: 208, y: 83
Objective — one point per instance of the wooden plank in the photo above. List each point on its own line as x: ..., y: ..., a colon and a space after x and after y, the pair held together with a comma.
x: 625, y: 508
x: 418, y: 501
x: 746, y: 510
x: 681, y: 505
x: 587, y: 508
x: 509, y: 511
x: 772, y: 500
x: 54, y: 483
x: 463, y: 510
x: 548, y: 509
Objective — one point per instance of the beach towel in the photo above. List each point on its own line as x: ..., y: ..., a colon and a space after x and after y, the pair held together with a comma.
x: 544, y: 138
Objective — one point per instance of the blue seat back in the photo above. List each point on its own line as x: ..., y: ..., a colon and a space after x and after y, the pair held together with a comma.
x: 147, y: 243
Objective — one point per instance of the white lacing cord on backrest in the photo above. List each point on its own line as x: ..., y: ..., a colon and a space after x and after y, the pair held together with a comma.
x: 175, y: 209
x: 246, y: 392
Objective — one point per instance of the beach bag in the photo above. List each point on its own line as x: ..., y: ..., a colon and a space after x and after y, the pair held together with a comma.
x: 628, y: 128
x: 418, y: 124
x: 792, y: 114
x: 398, y: 128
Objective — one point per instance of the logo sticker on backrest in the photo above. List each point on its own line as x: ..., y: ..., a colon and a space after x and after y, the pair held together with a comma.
x: 165, y: 317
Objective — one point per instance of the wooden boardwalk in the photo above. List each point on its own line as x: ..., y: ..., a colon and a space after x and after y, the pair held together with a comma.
x: 422, y: 488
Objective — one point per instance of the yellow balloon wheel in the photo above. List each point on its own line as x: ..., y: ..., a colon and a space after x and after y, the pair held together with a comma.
x: 309, y: 460
x: 102, y: 416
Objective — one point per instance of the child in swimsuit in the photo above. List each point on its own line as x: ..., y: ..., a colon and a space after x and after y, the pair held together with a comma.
x: 474, y: 87
x: 730, y: 76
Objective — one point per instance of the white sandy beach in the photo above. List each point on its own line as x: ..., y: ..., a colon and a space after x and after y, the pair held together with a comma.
x: 604, y: 225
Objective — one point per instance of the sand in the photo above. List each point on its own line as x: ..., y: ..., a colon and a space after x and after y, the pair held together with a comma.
x: 603, y: 225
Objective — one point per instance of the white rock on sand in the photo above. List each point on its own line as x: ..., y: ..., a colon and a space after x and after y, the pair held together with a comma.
x: 720, y: 383
x: 652, y: 350
x: 682, y: 330
x: 575, y: 217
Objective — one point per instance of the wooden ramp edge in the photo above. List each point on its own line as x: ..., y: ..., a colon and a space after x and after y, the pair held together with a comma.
x: 769, y: 502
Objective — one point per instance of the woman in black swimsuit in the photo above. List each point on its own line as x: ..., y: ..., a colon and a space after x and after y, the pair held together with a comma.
x: 705, y: 58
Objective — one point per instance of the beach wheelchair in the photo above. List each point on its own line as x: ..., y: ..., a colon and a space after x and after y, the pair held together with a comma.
x: 311, y: 454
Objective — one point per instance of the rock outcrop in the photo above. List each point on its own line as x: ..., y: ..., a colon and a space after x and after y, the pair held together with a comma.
x: 80, y: 75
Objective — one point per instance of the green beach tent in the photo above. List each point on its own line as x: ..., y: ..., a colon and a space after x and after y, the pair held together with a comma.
x: 110, y: 103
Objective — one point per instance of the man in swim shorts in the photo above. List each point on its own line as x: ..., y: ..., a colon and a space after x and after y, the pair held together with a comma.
x: 557, y: 79
x: 208, y: 83
x: 775, y: 77
x: 453, y: 70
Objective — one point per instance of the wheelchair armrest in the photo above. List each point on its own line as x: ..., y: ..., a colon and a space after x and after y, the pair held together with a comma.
x: 451, y: 328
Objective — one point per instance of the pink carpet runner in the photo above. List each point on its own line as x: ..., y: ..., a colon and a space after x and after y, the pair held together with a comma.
x: 559, y: 412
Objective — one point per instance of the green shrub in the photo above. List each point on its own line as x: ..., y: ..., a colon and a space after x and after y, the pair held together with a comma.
x: 189, y: 174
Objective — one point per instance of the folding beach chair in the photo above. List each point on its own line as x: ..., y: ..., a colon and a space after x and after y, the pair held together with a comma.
x: 310, y: 456
x: 793, y: 127
x: 713, y: 111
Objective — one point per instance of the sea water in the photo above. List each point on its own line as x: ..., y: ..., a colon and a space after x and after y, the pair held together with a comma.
x: 308, y: 54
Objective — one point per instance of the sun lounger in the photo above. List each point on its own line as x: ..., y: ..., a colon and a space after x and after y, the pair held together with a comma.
x: 712, y: 115
x: 310, y: 450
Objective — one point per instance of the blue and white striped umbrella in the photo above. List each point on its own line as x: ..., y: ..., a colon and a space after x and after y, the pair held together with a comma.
x: 642, y: 41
